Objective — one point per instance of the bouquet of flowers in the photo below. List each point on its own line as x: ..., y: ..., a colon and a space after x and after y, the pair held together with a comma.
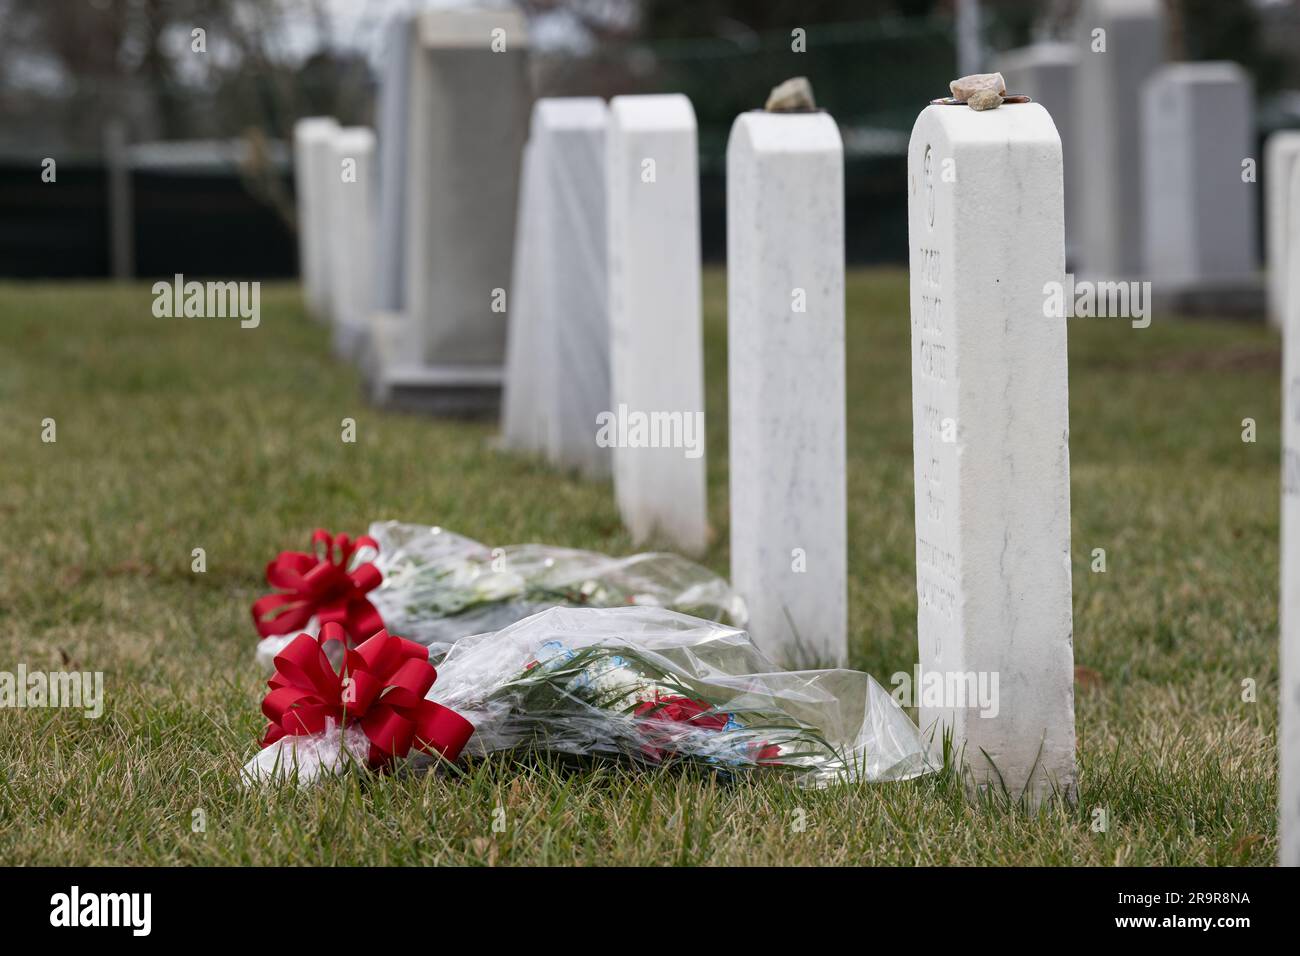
x: 645, y: 684
x: 433, y: 586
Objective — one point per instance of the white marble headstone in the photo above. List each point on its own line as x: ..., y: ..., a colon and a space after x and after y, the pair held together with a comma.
x: 569, y: 134
x: 313, y: 139
x: 785, y: 341
x: 523, y: 419
x: 1289, y: 618
x: 469, y: 104
x: 351, y: 238
x: 1280, y: 154
x: 1120, y: 43
x: 1198, y: 125
x: 991, y: 444
x: 656, y: 336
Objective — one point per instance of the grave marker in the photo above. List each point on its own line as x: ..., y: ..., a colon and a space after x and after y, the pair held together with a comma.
x: 1280, y: 154
x: 1198, y: 124
x: 656, y: 414
x: 785, y: 334
x: 312, y: 154
x: 572, y: 284
x: 522, y: 420
x: 1120, y: 43
x: 468, y: 104
x: 1288, y: 738
x: 991, y: 448
x: 351, y: 237
x: 469, y: 110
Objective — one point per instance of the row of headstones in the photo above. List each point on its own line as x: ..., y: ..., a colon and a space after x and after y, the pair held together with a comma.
x: 605, y: 355
x: 606, y: 328
x: 1159, y: 158
x: 605, y: 318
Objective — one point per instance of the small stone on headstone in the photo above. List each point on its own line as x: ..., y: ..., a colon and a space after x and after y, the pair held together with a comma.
x: 982, y: 100
x: 967, y: 86
x: 795, y: 95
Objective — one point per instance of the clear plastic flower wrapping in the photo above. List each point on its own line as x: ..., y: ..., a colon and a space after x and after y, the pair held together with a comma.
x: 653, y: 686
x: 440, y: 586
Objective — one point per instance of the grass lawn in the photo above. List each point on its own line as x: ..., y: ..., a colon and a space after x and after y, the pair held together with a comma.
x: 175, y: 434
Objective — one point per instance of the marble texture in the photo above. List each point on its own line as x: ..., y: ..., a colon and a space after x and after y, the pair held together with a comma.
x: 1106, y: 135
x: 656, y: 335
x: 785, y: 340
x: 991, y: 442
x: 1198, y: 124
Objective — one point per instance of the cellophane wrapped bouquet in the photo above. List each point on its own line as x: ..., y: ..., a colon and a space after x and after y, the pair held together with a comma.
x: 434, y: 587
x: 643, y: 684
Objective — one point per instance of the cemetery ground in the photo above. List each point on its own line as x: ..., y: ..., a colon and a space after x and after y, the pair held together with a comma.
x: 176, y: 434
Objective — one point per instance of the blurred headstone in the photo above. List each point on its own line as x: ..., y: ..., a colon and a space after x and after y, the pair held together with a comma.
x: 523, y: 418
x: 1198, y: 126
x: 1280, y: 154
x: 468, y: 107
x: 351, y: 237
x: 313, y: 157
x: 990, y: 428
x: 1046, y: 72
x: 565, y: 286
x: 1120, y: 43
x: 785, y: 353
x: 656, y: 425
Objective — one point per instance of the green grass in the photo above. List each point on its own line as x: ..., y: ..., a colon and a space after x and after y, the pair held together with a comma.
x: 175, y: 434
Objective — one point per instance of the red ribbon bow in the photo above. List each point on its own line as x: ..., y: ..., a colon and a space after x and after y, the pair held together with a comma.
x: 381, y: 687
x: 320, y: 584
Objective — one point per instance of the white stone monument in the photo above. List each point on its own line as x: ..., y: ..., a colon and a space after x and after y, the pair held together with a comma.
x: 351, y: 237
x: 991, y: 445
x: 1120, y: 43
x: 1280, y: 154
x: 572, y: 287
x: 523, y: 420
x: 1288, y: 736
x: 656, y: 424
x: 313, y: 140
x: 468, y: 111
x: 1046, y: 73
x: 1198, y: 126
x: 785, y: 341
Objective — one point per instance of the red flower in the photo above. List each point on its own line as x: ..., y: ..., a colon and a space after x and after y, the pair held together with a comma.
x: 320, y: 585
x: 673, y: 709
